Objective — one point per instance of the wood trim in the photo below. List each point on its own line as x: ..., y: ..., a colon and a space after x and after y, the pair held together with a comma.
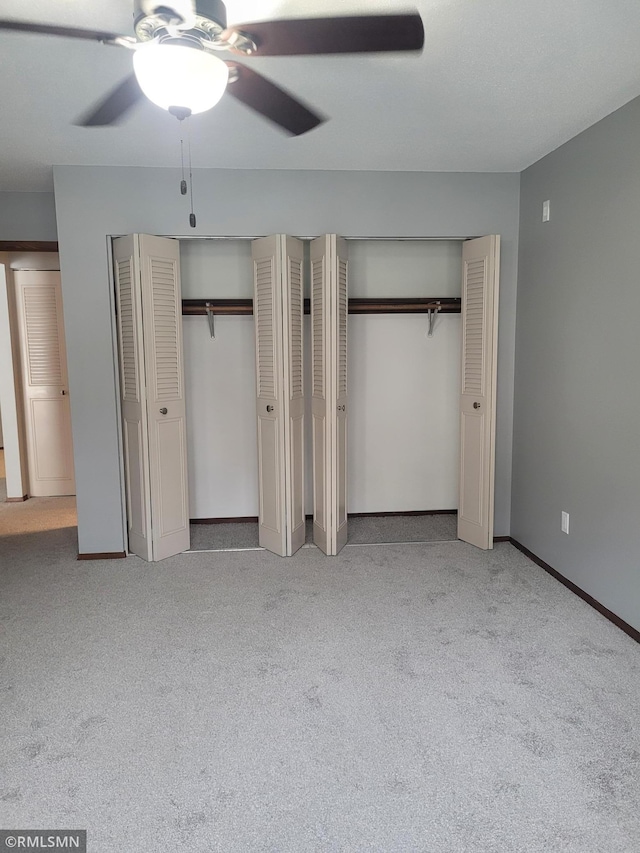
x: 589, y: 599
x: 28, y: 246
x: 107, y: 555
x: 17, y: 500
x: 198, y: 307
x: 242, y: 519
x: 502, y: 539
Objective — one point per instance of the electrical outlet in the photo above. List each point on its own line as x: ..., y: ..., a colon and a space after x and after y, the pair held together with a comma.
x: 546, y: 210
x: 565, y: 522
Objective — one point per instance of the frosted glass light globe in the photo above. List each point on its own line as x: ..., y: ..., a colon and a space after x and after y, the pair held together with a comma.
x: 174, y: 75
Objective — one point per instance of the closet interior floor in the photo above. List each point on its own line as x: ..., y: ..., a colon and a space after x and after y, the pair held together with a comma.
x: 367, y: 530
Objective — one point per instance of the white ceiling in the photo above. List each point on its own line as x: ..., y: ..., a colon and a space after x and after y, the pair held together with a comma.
x: 500, y: 83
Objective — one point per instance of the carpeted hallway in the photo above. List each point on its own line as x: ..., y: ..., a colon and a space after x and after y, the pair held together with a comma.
x: 425, y: 697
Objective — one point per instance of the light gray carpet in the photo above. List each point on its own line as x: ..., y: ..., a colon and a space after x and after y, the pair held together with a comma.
x: 208, y: 537
x: 396, y: 698
x: 403, y: 528
x: 362, y: 531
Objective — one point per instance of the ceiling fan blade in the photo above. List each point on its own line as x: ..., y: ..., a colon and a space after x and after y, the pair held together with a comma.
x: 54, y: 30
x: 356, y: 34
x: 113, y: 108
x: 271, y: 101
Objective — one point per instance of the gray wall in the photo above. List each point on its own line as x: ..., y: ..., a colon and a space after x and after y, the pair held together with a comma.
x: 27, y: 216
x: 577, y: 406
x: 93, y: 202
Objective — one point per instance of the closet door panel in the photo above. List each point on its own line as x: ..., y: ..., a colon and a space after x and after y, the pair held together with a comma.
x: 329, y: 304
x: 149, y: 325
x: 339, y: 304
x: 293, y: 305
x: 132, y: 397
x: 480, y: 278
x: 162, y: 322
x: 271, y: 408
x: 278, y: 314
x: 320, y: 395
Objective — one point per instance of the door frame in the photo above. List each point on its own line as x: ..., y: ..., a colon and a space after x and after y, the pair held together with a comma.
x: 306, y: 238
x: 36, y: 255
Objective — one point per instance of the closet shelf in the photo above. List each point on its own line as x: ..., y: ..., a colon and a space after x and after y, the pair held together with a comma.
x: 445, y: 305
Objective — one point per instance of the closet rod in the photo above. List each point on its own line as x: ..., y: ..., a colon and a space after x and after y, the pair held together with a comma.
x: 28, y: 246
x: 192, y: 307
x: 446, y: 305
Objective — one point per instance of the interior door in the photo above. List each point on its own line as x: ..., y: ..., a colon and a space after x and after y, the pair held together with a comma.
x: 45, y: 383
x: 278, y: 311
x: 329, y: 409
x: 480, y: 278
x: 152, y: 387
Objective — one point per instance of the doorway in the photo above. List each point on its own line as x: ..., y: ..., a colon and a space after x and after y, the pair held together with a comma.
x: 405, y: 441
x: 403, y: 457
x: 404, y: 378
x: 54, y: 513
x: 34, y: 391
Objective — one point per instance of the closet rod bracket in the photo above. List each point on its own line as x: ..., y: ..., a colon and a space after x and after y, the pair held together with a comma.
x: 210, y: 318
x: 432, y: 314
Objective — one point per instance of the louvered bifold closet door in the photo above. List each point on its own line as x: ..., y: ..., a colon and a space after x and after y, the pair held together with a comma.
x: 277, y: 307
x: 44, y: 382
x: 480, y: 278
x: 320, y: 428
x: 162, y: 324
x: 340, y: 306
x: 329, y: 409
x: 293, y: 325
x: 133, y: 396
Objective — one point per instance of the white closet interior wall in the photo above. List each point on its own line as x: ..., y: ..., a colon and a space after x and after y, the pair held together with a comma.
x: 220, y: 385
x: 403, y: 385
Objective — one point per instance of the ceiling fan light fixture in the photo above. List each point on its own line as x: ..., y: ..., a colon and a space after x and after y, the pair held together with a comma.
x: 173, y: 75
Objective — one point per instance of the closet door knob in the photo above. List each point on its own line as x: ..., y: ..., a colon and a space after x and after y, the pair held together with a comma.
x: 476, y: 405
x: 269, y: 408
x: 163, y: 411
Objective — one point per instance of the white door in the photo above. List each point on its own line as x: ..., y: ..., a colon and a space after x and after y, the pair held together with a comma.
x: 278, y: 310
x: 329, y: 306
x: 480, y: 278
x: 147, y: 271
x: 45, y: 383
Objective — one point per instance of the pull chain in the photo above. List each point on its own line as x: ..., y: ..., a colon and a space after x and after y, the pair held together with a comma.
x: 182, y: 113
x: 183, y: 183
x: 192, y: 216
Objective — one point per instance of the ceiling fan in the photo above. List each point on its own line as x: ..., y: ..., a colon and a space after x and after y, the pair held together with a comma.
x: 175, y: 63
